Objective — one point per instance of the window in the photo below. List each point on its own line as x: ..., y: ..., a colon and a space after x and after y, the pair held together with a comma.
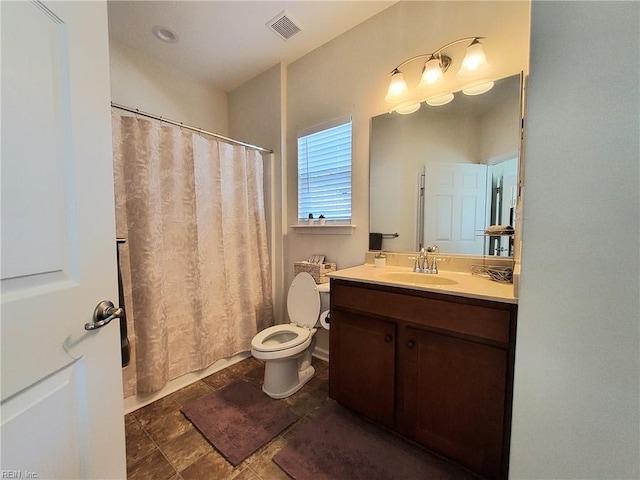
x: 324, y: 173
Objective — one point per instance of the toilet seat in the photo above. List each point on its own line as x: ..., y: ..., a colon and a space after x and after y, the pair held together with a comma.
x: 299, y: 336
x: 303, y: 305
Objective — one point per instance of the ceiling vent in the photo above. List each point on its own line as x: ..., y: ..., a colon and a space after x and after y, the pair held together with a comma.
x: 283, y: 25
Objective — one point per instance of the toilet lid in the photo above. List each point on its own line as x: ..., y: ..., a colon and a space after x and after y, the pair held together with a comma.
x: 303, y: 301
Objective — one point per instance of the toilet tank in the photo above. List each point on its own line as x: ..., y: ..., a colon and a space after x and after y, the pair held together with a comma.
x: 323, y: 289
x: 322, y: 336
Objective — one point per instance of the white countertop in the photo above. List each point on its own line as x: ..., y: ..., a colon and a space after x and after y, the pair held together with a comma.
x: 467, y: 285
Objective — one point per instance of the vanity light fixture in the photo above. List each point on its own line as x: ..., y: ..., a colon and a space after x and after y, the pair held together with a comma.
x: 474, y: 65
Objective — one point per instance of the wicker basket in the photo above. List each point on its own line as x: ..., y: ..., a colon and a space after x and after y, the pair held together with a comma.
x: 317, y: 270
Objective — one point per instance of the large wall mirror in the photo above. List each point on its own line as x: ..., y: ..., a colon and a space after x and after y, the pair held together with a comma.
x: 444, y: 175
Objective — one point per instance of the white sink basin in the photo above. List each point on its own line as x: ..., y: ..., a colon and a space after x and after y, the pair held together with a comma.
x: 419, y: 278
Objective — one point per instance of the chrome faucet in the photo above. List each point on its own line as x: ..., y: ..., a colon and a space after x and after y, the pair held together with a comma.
x: 421, y: 264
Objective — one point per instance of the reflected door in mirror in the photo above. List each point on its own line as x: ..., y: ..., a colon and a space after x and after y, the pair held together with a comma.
x: 454, y: 211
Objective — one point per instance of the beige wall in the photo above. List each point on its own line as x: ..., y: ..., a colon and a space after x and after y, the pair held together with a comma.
x: 140, y: 82
x: 576, y: 400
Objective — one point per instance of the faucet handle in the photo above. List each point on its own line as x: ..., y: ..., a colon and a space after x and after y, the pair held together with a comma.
x: 419, y: 263
x: 425, y: 264
x: 425, y: 261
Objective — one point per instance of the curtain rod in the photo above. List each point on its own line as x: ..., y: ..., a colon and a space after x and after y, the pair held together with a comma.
x: 188, y: 127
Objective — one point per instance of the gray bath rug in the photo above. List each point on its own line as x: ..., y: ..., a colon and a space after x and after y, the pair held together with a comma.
x: 238, y: 419
x: 337, y: 444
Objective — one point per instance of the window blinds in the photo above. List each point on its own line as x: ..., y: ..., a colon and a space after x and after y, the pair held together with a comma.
x: 324, y: 173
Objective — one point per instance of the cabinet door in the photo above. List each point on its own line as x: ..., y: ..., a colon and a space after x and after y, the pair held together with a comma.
x: 361, y: 370
x: 452, y: 397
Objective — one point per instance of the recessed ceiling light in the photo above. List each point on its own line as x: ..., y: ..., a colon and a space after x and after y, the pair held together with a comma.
x: 165, y: 34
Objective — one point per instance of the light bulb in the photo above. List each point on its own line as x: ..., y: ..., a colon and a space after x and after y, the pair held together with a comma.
x: 431, y: 73
x: 475, y: 57
x: 397, y: 87
x: 475, y: 61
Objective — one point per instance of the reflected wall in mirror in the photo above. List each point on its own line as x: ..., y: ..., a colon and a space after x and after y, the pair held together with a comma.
x: 443, y: 175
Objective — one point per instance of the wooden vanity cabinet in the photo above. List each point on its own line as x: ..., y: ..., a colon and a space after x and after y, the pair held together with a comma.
x: 436, y: 368
x: 366, y: 349
x: 451, y: 397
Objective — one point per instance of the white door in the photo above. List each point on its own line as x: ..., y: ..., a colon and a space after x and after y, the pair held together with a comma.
x: 455, y: 199
x: 62, y: 406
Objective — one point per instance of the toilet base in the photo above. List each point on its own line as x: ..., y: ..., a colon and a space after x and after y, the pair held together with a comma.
x: 285, y: 376
x: 303, y: 377
x: 282, y: 377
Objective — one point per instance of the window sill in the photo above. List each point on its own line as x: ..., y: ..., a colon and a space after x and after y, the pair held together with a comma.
x: 323, y: 229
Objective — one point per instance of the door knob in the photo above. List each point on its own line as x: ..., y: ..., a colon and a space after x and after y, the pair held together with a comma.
x: 411, y: 344
x: 105, y: 312
x: 388, y: 338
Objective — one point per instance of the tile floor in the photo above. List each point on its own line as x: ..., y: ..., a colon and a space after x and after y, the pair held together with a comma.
x: 163, y: 444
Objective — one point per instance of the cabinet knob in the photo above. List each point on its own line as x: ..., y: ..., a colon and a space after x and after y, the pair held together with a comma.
x: 411, y: 344
x: 388, y: 338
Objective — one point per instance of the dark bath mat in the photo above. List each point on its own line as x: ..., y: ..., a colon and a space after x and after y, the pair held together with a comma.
x: 337, y: 444
x: 238, y: 419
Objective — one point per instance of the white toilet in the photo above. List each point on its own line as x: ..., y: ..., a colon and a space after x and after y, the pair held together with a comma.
x: 287, y: 348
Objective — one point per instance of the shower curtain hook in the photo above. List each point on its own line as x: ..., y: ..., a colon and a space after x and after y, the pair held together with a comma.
x: 136, y: 113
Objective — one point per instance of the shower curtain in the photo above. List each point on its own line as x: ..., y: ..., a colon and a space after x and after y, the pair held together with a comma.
x: 195, y: 265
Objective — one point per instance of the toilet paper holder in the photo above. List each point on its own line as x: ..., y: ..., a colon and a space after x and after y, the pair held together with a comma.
x: 325, y: 319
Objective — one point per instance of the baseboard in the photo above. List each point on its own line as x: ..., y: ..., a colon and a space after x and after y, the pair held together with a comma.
x: 135, y: 402
x: 321, y: 353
